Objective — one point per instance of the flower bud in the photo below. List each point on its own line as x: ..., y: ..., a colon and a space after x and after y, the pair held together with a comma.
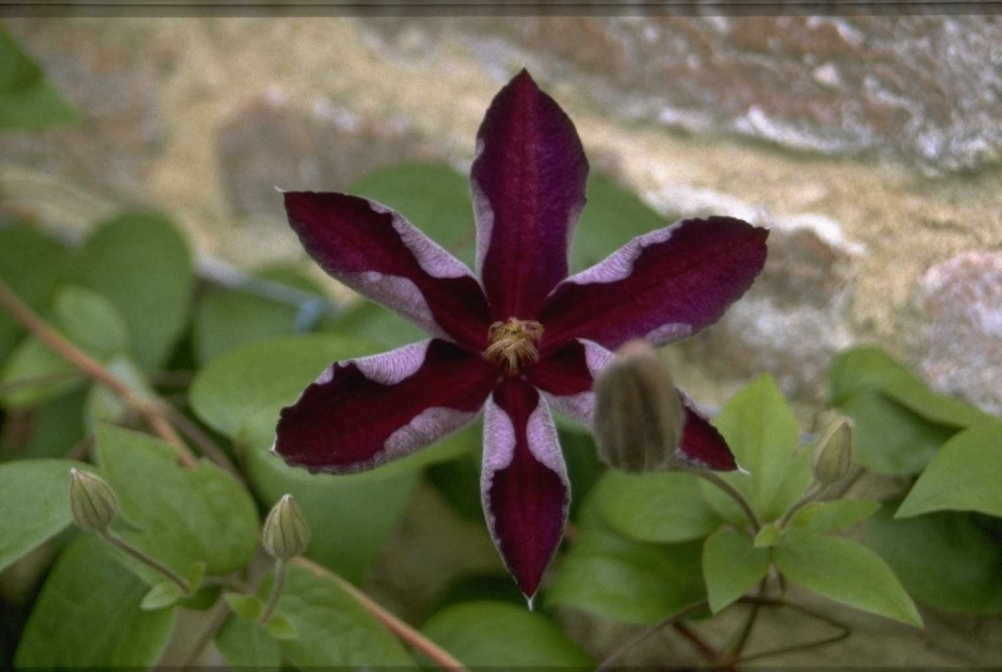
x: 638, y: 412
x: 833, y: 458
x: 92, y: 501
x: 285, y: 533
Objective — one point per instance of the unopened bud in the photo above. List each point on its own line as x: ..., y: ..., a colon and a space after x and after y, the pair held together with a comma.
x: 833, y: 458
x: 285, y: 533
x: 92, y: 501
x: 638, y: 412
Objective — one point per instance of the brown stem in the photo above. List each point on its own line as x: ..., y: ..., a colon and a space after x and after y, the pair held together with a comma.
x: 433, y: 651
x: 708, y: 652
x: 201, y: 440
x: 647, y: 632
x: 746, y: 630
x: 220, y: 612
x: 15, y: 385
x: 845, y: 630
x: 40, y: 329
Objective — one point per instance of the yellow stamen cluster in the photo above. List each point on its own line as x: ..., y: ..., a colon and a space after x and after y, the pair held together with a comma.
x: 513, y: 344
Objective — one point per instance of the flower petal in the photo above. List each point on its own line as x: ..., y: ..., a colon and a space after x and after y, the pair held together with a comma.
x: 566, y: 378
x: 364, y: 412
x: 528, y: 184
x: 381, y: 255
x: 662, y: 286
x: 702, y: 445
x: 524, y: 485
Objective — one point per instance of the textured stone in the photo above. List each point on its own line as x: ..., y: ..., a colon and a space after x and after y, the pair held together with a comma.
x: 271, y: 143
x: 924, y: 88
x: 961, y: 302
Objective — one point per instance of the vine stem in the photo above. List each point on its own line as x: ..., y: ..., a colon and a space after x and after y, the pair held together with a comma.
x: 122, y: 544
x: 433, y: 651
x: 41, y: 330
x: 647, y: 632
x: 276, y: 590
x: 812, y: 492
x: 731, y: 492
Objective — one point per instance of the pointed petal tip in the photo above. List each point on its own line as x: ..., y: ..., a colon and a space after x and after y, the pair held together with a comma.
x: 530, y: 601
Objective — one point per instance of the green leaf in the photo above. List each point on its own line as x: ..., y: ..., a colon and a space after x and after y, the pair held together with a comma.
x: 890, y: 439
x: 964, y: 476
x: 240, y: 394
x: 161, y: 596
x: 867, y: 369
x: 141, y: 263
x: 32, y: 264
x: 846, y: 572
x: 91, y: 321
x: 612, y: 217
x: 103, y: 405
x: 768, y: 536
x: 56, y: 427
x: 945, y: 560
x: 36, y: 375
x: 731, y: 565
x: 195, y: 576
x: 658, y: 507
x: 281, y: 628
x: 245, y: 644
x: 88, y: 615
x: 823, y: 517
x: 334, y: 631
x: 35, y: 500
x: 762, y: 432
x: 498, y: 634
x: 431, y: 196
x: 27, y: 99
x: 228, y: 318
x: 244, y: 606
x: 179, y: 516
x: 624, y: 580
x: 374, y: 323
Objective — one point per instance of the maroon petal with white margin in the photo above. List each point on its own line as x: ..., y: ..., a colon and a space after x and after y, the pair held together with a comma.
x: 528, y: 183
x: 381, y: 255
x: 662, y: 286
x: 702, y: 445
x: 364, y: 412
x: 524, y: 485
x: 566, y: 378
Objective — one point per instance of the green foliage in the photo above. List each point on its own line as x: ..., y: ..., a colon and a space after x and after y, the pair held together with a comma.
x: 824, y: 517
x: 945, y: 560
x: 900, y: 422
x: 333, y: 630
x: 56, y: 427
x: 657, y: 507
x: 498, y: 634
x: 35, y: 500
x: 245, y: 644
x: 731, y: 565
x: 965, y: 475
x: 34, y: 375
x: 27, y: 99
x: 178, y: 516
x: 623, y: 580
x: 88, y: 615
x: 140, y: 262
x: 161, y: 596
x: 846, y: 572
x: 91, y: 322
x: 226, y: 318
x: 764, y: 436
x: 32, y: 265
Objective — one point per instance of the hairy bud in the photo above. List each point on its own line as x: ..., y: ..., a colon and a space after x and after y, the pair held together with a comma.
x: 285, y: 533
x: 638, y: 412
x: 92, y: 501
x: 833, y: 458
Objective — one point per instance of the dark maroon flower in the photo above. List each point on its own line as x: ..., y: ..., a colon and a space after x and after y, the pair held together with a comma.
x: 523, y: 338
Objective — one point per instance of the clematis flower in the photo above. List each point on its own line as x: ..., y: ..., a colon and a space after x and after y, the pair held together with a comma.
x: 518, y: 341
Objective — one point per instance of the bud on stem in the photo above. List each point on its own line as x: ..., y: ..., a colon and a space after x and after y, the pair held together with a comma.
x: 638, y: 412
x: 285, y: 534
x: 833, y: 459
x: 92, y: 501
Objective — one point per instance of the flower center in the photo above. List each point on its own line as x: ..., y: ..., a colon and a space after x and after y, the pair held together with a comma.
x: 513, y: 344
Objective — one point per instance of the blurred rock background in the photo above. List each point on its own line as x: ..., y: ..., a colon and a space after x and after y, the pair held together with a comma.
x: 870, y: 145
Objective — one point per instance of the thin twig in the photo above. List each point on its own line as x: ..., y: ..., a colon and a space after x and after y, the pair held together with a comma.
x: 51, y: 378
x: 81, y: 448
x: 647, y: 632
x: 746, y: 630
x: 201, y: 440
x: 845, y: 630
x: 809, y: 495
x: 41, y: 330
x: 122, y: 544
x: 220, y: 612
x: 433, y: 651
x: 731, y: 491
x: 708, y: 652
